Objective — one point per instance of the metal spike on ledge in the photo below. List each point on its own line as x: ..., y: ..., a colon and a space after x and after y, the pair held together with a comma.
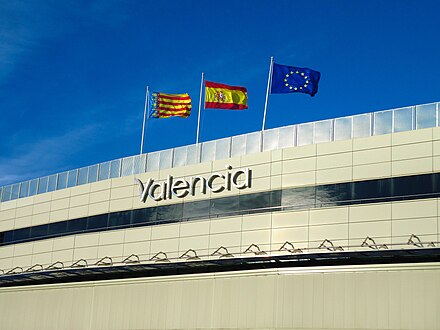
x: 415, y: 240
x: 292, y: 249
x: 224, y: 254
x: 327, y: 244
x: 160, y: 257
x: 131, y: 259
x: 255, y: 249
x: 79, y: 263
x: 106, y: 261
x: 190, y: 254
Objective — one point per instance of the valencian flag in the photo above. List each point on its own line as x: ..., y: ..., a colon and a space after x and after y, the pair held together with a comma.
x: 221, y: 96
x: 290, y: 79
x: 170, y: 105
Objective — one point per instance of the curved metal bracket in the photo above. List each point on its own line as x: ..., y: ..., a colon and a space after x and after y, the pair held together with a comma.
x: 131, y: 259
x: 224, y: 254
x: 160, y: 257
x: 190, y: 254
x: 415, y: 240
x: 106, y: 261
x: 34, y: 268
x: 327, y: 244
x: 255, y: 249
x: 80, y: 263
x: 15, y: 270
x: 285, y: 247
x: 55, y: 265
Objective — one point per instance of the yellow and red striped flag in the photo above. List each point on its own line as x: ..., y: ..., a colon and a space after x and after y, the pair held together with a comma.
x: 170, y: 105
x: 221, y: 96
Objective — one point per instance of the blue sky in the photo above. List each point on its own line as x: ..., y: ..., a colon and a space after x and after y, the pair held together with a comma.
x: 73, y: 73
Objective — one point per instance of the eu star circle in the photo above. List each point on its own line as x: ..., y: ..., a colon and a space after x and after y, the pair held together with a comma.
x: 296, y: 80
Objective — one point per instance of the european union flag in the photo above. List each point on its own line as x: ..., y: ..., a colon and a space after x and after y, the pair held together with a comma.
x: 290, y: 79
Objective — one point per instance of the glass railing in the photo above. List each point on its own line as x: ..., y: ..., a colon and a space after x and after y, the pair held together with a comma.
x: 344, y: 128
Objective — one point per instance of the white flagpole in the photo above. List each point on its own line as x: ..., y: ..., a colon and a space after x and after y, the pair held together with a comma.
x: 144, y: 122
x: 200, y: 106
x: 269, y: 80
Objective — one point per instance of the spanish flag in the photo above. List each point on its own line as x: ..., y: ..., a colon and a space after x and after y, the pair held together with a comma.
x: 221, y: 96
x: 170, y: 105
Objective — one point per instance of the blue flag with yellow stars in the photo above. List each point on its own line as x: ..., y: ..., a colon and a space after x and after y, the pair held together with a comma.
x: 290, y: 79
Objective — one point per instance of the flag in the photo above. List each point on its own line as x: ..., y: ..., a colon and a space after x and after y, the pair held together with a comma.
x: 290, y: 79
x: 221, y: 96
x: 170, y: 105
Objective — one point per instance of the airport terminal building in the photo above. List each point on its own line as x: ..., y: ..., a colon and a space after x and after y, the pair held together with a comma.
x: 325, y: 225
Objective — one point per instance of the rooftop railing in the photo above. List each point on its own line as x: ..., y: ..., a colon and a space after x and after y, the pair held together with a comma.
x: 344, y: 128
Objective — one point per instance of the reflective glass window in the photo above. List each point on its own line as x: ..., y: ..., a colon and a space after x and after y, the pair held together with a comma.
x: 238, y: 145
x: 208, y: 151
x: 72, y: 178
x: 179, y: 156
x: 57, y: 228
x: 372, y: 190
x: 6, y: 194
x: 166, y: 159
x: 270, y: 139
x: 333, y: 194
x: 303, y: 197
x: 169, y: 212
x: 93, y: 173
x: 139, y: 164
x: 7, y: 236
x: 97, y: 222
x: 62, y: 180
x: 39, y: 231
x: 361, y: 125
x: 323, y: 131
x: 383, y: 122
x: 426, y: 116
x: 104, y: 171
x: 222, y: 148
x: 127, y: 166
x: 77, y: 225
x: 119, y: 219
x: 414, y: 185
x: 52, y: 184
x: 82, y: 175
x: 286, y: 137
x: 254, y: 202
x: 42, y: 185
x: 146, y: 215
x: 305, y: 134
x: 253, y: 142
x: 343, y: 128
x: 403, y: 119
x: 15, y: 191
x: 153, y: 159
x: 33, y: 187
x: 192, y: 154
x: 198, y: 209
x: 224, y: 206
x: 21, y: 234
x: 24, y: 189
x: 115, y: 168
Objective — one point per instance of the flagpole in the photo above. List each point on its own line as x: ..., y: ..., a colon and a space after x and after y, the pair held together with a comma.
x: 200, y: 106
x: 144, y: 122
x: 269, y: 80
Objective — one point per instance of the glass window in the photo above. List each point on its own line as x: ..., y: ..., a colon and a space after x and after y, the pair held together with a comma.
x: 169, y: 212
x: 139, y: 164
x: 62, y: 180
x: 8, y: 236
x: 403, y: 119
x: 93, y: 173
x: 97, y: 222
x: 166, y: 159
x: 305, y: 134
x: 143, y: 216
x: 119, y: 219
x: 58, y: 228
x: 21, y: 234
x: 361, y: 125
x: 303, y: 197
x: 15, y: 191
x: 39, y: 231
x: 127, y: 166
x: 323, y: 131
x: 42, y: 185
x: 270, y: 139
x: 253, y: 202
x: 24, y: 189
x: 426, y: 115
x: 222, y: 148
x: 82, y: 175
x: 179, y: 156
x: 6, y: 195
x: 238, y: 145
x: 104, y: 171
x: 253, y: 142
x: 208, y: 151
x: 52, y: 184
x: 343, y: 127
x: 192, y: 154
x: 275, y: 198
x: 115, y: 168
x: 197, y: 209
x: 372, y: 189
x: 383, y: 122
x: 286, y: 137
x: 224, y: 206
x: 414, y: 185
x: 153, y: 161
x: 77, y: 225
x: 33, y: 187
x: 333, y: 194
x: 71, y: 178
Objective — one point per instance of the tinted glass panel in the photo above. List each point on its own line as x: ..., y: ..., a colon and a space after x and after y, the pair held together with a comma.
x: 21, y: 234
x: 170, y: 212
x: 39, y: 231
x: 224, y: 205
x: 254, y: 201
x: 58, y: 228
x: 146, y: 215
x: 333, y: 194
x: 77, y: 225
x: 413, y: 185
x: 372, y: 190
x: 42, y: 186
x: 97, y: 222
x: 298, y: 197
x: 119, y: 219
x: 196, y: 209
x: 8, y: 236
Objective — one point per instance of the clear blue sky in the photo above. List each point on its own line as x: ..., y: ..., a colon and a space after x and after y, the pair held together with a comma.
x: 73, y: 73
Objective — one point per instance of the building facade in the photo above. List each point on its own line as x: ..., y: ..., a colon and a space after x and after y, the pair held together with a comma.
x: 325, y: 231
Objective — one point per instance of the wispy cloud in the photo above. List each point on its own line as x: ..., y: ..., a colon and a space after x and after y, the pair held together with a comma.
x: 37, y: 159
